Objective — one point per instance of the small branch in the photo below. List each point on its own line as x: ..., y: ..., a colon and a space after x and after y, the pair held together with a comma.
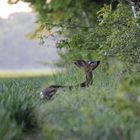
x: 79, y: 26
x: 134, y: 9
x: 71, y: 25
x: 85, y: 17
x: 13, y: 2
x: 133, y: 6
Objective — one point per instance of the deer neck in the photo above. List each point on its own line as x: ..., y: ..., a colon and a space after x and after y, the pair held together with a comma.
x: 88, y: 78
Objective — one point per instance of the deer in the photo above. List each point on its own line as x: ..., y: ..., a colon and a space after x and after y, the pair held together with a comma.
x: 87, y: 66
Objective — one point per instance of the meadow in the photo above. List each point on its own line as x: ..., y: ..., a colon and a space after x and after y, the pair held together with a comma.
x: 107, y: 110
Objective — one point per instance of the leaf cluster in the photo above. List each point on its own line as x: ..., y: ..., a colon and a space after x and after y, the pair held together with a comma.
x: 116, y: 35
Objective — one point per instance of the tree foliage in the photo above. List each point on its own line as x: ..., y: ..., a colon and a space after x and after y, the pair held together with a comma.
x: 116, y: 35
x: 92, y: 28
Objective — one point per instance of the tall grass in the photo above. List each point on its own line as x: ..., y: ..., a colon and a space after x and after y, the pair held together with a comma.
x: 106, y: 110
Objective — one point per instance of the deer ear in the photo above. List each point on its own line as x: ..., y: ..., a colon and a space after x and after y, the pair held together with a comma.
x: 93, y: 64
x: 80, y: 63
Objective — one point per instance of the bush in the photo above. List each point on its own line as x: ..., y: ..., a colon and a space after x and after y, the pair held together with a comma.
x: 116, y: 35
x: 97, y: 112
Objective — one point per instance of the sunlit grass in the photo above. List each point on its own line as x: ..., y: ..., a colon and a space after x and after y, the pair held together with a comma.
x: 27, y: 73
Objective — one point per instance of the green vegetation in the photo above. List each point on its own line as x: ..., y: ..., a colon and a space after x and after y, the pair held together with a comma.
x: 92, y: 28
x: 116, y: 36
x: 109, y: 109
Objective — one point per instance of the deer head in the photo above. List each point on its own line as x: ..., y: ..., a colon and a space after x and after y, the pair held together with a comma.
x: 88, y: 67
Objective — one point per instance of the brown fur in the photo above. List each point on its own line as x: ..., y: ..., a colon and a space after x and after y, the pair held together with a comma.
x: 88, y: 67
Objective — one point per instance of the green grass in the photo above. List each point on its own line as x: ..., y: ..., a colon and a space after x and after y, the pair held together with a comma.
x: 103, y: 111
x: 26, y: 73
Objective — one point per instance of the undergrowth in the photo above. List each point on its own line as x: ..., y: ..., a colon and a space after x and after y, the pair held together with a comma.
x: 108, y: 109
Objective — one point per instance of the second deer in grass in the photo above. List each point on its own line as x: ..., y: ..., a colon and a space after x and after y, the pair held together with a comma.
x: 87, y: 66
